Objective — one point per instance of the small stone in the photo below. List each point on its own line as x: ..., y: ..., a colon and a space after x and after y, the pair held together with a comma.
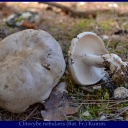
x: 86, y: 113
x: 96, y: 87
x: 102, y: 118
x: 120, y: 93
x: 105, y: 37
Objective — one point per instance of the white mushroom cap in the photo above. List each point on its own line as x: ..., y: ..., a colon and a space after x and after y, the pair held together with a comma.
x: 85, y: 43
x: 31, y: 64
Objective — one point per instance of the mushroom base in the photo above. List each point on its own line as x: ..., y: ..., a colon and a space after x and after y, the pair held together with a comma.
x: 118, y: 68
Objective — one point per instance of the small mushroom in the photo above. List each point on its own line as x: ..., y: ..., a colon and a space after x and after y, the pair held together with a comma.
x: 31, y: 64
x: 88, y: 58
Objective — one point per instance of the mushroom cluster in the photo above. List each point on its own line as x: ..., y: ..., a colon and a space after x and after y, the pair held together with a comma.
x: 31, y: 64
x: 88, y: 58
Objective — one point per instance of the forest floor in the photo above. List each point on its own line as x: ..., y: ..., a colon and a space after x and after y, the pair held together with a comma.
x: 111, y: 26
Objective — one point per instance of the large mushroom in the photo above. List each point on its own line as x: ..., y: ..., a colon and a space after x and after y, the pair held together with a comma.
x: 88, y: 58
x: 31, y: 64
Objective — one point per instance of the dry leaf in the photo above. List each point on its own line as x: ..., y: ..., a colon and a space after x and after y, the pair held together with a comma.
x: 71, y: 110
x: 29, y: 25
x: 57, y: 107
x: 53, y: 115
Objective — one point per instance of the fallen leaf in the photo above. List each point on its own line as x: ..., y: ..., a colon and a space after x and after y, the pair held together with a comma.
x: 71, y: 110
x: 5, y: 12
x: 52, y: 115
x: 57, y: 106
x: 29, y: 25
x: 2, y: 5
x: 55, y: 96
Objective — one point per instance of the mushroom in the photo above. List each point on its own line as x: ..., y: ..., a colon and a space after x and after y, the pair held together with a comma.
x: 88, y: 58
x: 31, y: 64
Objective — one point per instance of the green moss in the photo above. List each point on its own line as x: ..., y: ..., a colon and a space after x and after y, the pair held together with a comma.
x: 84, y: 25
x: 106, y: 26
x: 115, y: 44
x: 126, y: 26
x: 120, y: 51
x: 19, y: 19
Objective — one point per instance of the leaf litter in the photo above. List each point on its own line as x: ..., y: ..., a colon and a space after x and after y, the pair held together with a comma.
x: 57, y: 106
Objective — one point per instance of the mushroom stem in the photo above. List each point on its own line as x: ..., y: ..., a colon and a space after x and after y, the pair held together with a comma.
x: 118, y: 68
x: 93, y: 60
x: 112, y: 61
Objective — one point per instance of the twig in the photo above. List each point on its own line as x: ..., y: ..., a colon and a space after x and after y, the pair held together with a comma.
x: 29, y: 109
x: 101, y: 83
x: 90, y: 90
x: 114, y: 108
x: 114, y: 101
x: 37, y: 118
x: 31, y: 113
x: 36, y: 113
x: 12, y: 115
x: 88, y: 103
x: 122, y: 101
x: 126, y: 108
x: 72, y: 117
x: 85, y: 14
x: 87, y: 89
x: 18, y: 115
x: 0, y: 118
x: 108, y: 43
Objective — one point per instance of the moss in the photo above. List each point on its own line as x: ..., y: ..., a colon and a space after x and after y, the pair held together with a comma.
x: 19, y: 19
x: 106, y: 26
x: 115, y: 44
x: 119, y: 51
x: 84, y: 25
x: 126, y: 26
